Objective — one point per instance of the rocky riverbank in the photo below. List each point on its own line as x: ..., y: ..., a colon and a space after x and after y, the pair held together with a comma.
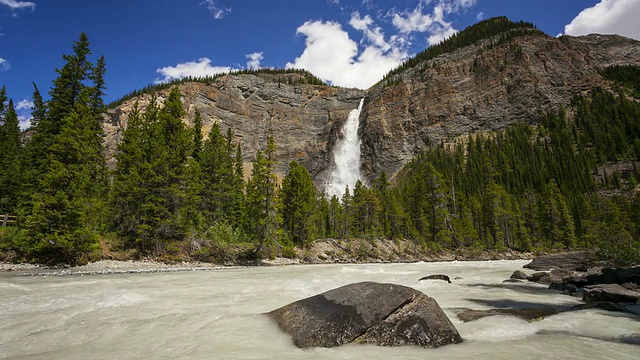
x: 323, y: 251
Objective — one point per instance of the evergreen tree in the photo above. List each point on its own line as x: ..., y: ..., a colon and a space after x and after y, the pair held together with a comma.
x: 298, y: 195
x: 261, y: 210
x: 61, y: 227
x: 197, y: 135
x: 10, y: 148
x: 218, y: 178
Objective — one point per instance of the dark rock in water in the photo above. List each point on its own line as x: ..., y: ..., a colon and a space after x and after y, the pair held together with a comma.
x: 436, y: 277
x: 529, y: 314
x: 457, y: 278
x: 579, y: 260
x: 367, y: 312
x: 565, y: 288
x: 550, y: 278
x: 519, y: 274
x: 607, y: 276
x: 536, y: 276
x: 611, y: 293
x: 512, y: 281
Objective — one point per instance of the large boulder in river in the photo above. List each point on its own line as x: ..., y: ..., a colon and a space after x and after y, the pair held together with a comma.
x: 367, y: 312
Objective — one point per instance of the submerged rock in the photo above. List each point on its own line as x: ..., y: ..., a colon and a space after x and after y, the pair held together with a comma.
x: 367, y: 312
x: 436, y: 277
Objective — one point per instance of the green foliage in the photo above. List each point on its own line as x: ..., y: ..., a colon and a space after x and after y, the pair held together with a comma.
x: 262, y: 221
x: 11, y: 151
x: 150, y: 186
x: 298, y: 203
x: 626, y: 75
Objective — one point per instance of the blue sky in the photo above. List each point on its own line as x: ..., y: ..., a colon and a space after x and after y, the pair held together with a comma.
x: 345, y: 42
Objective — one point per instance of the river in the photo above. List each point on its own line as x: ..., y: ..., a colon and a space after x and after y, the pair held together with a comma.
x: 218, y: 315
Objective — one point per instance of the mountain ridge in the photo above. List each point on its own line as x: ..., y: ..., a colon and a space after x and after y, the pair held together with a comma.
x: 496, y: 81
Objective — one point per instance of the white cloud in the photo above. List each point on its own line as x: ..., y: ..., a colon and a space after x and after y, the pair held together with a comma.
x: 480, y: 16
x: 414, y: 21
x: 608, y: 17
x: 24, y: 121
x: 4, y: 65
x: 200, y: 68
x: 254, y: 60
x: 17, y: 4
x: 24, y: 104
x: 334, y: 57
x: 217, y: 11
x: 420, y: 20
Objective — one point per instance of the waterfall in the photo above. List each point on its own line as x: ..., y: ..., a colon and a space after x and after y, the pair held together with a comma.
x: 346, y: 157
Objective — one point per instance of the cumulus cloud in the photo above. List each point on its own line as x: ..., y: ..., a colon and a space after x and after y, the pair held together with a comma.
x: 334, y: 57
x: 410, y: 21
x: 254, y: 60
x: 434, y: 24
x: 217, y: 11
x: 24, y: 104
x: 480, y: 16
x: 200, y: 68
x: 608, y: 17
x: 17, y: 4
x: 24, y: 121
x: 4, y: 65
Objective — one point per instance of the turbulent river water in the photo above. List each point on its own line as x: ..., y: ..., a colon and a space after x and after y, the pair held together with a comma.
x: 219, y: 315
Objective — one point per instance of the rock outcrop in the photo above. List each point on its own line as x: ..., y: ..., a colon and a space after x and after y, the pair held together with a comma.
x: 305, y: 120
x: 481, y: 88
x: 577, y: 260
x: 367, y: 312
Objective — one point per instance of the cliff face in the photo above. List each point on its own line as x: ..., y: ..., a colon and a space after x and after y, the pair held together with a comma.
x: 304, y: 119
x: 481, y: 88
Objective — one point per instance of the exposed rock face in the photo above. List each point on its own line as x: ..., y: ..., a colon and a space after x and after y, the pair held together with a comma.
x: 367, y: 312
x: 476, y: 89
x: 305, y: 120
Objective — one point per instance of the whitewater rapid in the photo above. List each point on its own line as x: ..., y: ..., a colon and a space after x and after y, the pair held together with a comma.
x: 220, y: 315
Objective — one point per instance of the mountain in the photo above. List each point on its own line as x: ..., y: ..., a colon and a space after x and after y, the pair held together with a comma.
x: 491, y: 75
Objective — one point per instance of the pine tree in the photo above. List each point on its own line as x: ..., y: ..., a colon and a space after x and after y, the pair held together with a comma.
x: 261, y: 211
x: 61, y: 227
x: 217, y: 175
x: 197, y: 135
x: 10, y: 148
x: 298, y: 198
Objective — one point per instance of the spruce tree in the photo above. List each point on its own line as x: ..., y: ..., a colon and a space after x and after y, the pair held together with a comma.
x: 10, y: 148
x: 261, y: 210
x: 61, y: 227
x: 298, y: 198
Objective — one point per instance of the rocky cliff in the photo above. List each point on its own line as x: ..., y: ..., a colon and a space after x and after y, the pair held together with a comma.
x: 482, y: 87
x: 305, y: 120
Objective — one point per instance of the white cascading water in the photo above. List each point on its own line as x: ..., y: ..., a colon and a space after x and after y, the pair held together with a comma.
x: 346, y: 157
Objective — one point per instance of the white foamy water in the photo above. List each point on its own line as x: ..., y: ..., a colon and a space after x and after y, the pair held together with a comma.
x: 346, y: 157
x: 219, y: 315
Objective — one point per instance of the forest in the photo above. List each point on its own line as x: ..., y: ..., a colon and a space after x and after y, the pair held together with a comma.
x: 564, y: 180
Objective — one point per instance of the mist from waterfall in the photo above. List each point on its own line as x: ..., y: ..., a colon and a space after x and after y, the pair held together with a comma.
x: 346, y: 157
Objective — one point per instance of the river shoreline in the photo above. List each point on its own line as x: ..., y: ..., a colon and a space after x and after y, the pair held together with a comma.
x: 328, y: 252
